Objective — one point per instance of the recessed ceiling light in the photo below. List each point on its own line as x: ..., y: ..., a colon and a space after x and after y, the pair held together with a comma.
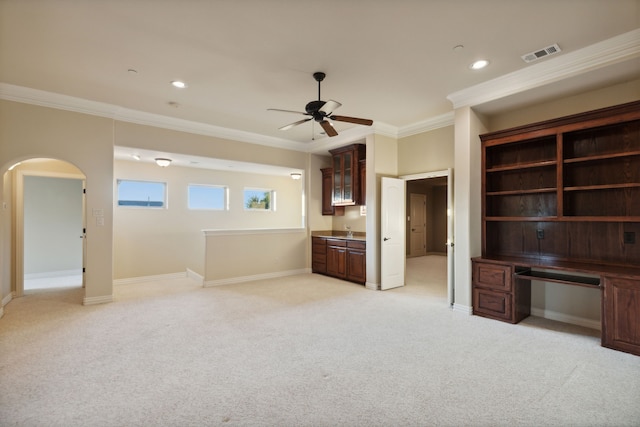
x: 179, y: 84
x: 480, y: 64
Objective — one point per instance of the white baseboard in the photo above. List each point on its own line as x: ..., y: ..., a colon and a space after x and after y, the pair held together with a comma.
x: 195, y: 276
x: 242, y: 279
x: 7, y: 299
x: 97, y: 300
x: 372, y: 286
x: 566, y: 318
x: 141, y: 279
x: 464, y: 309
x: 49, y: 274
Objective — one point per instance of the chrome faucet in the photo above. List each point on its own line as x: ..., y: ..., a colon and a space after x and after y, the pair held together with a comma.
x: 349, y: 232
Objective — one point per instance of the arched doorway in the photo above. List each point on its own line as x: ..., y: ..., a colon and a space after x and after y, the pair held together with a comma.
x: 48, y: 212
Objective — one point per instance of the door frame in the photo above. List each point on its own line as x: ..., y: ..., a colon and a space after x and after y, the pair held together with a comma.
x: 18, y: 290
x: 450, y: 221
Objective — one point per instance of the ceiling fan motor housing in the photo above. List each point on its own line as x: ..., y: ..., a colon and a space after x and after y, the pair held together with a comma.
x: 313, y: 108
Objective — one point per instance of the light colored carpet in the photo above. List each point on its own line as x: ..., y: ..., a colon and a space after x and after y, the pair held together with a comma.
x: 304, y: 350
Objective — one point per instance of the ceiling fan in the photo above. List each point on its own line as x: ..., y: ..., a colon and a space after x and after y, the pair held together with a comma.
x: 320, y: 111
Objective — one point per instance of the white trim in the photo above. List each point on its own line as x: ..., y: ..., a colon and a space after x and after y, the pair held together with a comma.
x: 243, y: 279
x: 464, y: 309
x: 50, y: 274
x: 566, y: 318
x: 605, y: 53
x: 372, y: 286
x: 247, y: 231
x: 437, y: 122
x: 7, y: 299
x: 142, y: 279
x: 195, y: 276
x: 97, y: 300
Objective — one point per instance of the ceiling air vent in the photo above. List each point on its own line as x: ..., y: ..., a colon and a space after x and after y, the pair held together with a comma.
x: 534, y: 56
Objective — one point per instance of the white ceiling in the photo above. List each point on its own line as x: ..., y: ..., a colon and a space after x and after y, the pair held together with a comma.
x: 390, y: 61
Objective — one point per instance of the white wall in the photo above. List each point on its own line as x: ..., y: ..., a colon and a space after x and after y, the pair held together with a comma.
x: 52, y: 224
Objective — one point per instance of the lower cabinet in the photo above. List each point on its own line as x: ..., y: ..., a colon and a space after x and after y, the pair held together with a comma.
x: 494, y: 294
x: 340, y: 258
x: 356, y: 261
x: 337, y: 258
x: 621, y: 314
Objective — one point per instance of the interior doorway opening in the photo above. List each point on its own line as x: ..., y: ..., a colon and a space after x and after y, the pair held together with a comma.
x: 49, y: 226
x: 429, y: 232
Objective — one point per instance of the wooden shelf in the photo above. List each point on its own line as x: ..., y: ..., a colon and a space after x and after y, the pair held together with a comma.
x: 516, y: 192
x: 602, y: 187
x: 601, y: 157
x: 517, y: 166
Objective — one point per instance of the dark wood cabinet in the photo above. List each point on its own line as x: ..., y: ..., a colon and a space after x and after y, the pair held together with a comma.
x: 346, y: 184
x: 621, y: 314
x: 341, y: 258
x: 494, y: 294
x: 356, y: 261
x: 337, y: 258
x: 319, y: 255
x: 564, y: 195
x: 327, y: 194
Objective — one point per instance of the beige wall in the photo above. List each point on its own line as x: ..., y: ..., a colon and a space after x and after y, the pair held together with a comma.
x: 426, y: 152
x: 29, y: 131
x: 161, y: 241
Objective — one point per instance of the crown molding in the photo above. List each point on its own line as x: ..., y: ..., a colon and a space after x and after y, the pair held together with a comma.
x: 437, y: 122
x: 608, y: 52
x: 43, y: 98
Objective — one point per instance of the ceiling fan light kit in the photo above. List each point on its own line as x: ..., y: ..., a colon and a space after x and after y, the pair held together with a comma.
x: 322, y: 111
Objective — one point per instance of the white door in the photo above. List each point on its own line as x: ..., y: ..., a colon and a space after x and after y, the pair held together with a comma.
x: 392, y: 216
x: 417, y: 224
x: 450, y: 240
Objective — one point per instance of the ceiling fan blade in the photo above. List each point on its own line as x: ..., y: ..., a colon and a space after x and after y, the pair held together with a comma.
x: 365, y: 122
x: 287, y: 111
x: 328, y: 128
x: 330, y: 106
x: 290, y: 125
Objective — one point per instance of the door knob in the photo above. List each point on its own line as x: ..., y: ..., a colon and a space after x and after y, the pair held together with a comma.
x: 386, y: 238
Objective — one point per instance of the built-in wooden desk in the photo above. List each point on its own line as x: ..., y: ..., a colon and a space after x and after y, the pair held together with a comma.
x: 502, y: 291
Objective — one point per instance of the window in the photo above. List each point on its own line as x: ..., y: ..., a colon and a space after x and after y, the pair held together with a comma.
x: 142, y: 193
x: 211, y: 197
x: 259, y: 199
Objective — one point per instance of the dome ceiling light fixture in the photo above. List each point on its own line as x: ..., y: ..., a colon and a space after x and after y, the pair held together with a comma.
x: 296, y: 175
x: 162, y: 162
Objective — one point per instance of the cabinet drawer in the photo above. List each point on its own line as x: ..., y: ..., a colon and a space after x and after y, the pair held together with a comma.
x: 355, y: 244
x: 336, y: 242
x: 319, y: 248
x: 494, y: 276
x: 497, y: 305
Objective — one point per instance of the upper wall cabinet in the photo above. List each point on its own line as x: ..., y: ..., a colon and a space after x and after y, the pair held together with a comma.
x: 347, y: 188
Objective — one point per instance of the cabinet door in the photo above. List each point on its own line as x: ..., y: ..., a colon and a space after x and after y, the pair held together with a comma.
x: 621, y: 314
x: 337, y: 179
x: 337, y: 261
x: 356, y: 262
x: 327, y: 194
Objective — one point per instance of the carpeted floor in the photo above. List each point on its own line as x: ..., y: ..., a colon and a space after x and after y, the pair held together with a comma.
x: 303, y: 350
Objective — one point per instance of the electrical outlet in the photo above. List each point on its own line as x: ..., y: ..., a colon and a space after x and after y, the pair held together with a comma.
x: 540, y: 233
x: 629, y: 237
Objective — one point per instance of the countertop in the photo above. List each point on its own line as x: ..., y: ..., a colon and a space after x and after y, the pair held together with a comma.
x: 335, y: 234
